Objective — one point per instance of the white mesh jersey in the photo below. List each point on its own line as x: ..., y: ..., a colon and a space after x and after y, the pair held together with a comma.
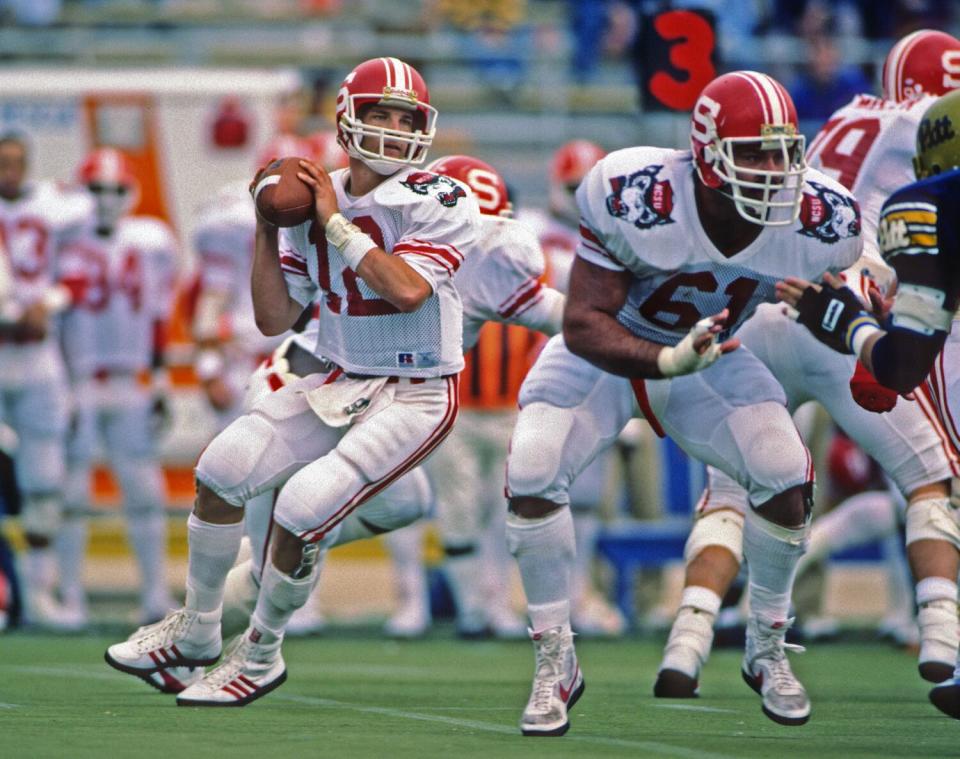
x: 129, y: 280
x: 638, y: 213
x: 223, y: 241
x: 500, y: 278
x: 432, y: 222
x: 868, y: 147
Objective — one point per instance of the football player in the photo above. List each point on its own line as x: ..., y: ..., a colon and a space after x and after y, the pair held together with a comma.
x: 917, y: 347
x: 867, y: 147
x: 380, y: 252
x: 559, y: 232
x: 114, y: 338
x: 36, y: 220
x: 677, y: 250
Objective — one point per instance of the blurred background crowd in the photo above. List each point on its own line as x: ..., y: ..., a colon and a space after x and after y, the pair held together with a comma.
x: 199, y: 93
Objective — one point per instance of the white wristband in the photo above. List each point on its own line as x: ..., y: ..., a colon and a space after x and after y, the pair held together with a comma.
x: 349, y: 239
x: 683, y: 358
x: 861, y: 334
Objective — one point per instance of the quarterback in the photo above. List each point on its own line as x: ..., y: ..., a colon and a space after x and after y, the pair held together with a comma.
x: 380, y: 255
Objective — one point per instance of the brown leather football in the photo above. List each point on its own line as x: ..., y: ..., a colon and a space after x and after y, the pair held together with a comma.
x: 282, y: 198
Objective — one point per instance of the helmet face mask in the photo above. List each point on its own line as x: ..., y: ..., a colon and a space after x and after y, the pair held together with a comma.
x: 938, y: 140
x: 748, y: 114
x: 390, y: 83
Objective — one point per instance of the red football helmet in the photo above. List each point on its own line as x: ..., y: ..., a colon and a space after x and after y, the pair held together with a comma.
x: 749, y: 108
x: 106, y: 172
x: 926, y: 62
x: 570, y: 165
x: 487, y: 184
x: 389, y: 82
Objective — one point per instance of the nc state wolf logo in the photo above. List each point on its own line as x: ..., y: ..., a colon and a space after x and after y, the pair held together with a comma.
x: 442, y: 188
x: 828, y: 215
x: 641, y: 199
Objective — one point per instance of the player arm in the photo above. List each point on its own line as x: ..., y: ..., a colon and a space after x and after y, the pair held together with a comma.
x: 591, y: 330
x: 545, y: 314
x: 390, y: 277
x: 274, y: 309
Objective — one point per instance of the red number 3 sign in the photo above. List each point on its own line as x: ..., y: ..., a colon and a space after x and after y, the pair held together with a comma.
x: 680, y: 55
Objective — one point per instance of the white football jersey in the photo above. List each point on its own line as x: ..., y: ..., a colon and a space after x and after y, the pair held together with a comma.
x: 500, y: 278
x: 638, y: 213
x: 432, y: 222
x: 223, y: 240
x: 558, y: 241
x: 129, y: 280
x: 868, y: 147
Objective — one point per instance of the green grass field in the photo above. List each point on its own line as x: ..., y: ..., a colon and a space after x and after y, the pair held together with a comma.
x: 353, y: 694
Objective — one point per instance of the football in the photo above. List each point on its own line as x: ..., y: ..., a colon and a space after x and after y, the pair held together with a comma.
x: 282, y: 198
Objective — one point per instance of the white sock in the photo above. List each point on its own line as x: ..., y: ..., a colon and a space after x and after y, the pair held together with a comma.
x: 935, y: 589
x: 859, y: 519
x: 464, y: 571
x: 213, y: 550
x: 147, y: 532
x: 39, y: 571
x: 410, y: 574
x: 71, y: 548
x: 772, y: 553
x: 586, y: 526
x: 545, y: 551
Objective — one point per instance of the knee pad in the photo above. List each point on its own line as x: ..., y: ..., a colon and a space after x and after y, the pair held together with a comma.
x: 404, y: 502
x: 533, y: 467
x: 228, y: 466
x: 722, y: 493
x: 932, y: 519
x: 42, y: 514
x: 774, y: 456
x: 723, y: 528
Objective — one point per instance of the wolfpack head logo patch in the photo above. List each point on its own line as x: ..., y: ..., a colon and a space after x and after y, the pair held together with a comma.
x: 828, y: 215
x: 438, y: 186
x: 640, y: 199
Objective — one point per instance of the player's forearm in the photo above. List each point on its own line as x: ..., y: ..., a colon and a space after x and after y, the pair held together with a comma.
x: 394, y: 280
x: 901, y: 360
x: 274, y: 310
x: 607, y: 344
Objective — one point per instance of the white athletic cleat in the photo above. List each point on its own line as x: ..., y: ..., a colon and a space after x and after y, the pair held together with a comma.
x: 687, y: 650
x: 174, y: 679
x: 411, y: 620
x: 595, y: 617
x: 184, y: 638
x: 557, y: 684
x: 44, y: 611
x: 939, y: 638
x: 249, y: 670
x: 767, y: 670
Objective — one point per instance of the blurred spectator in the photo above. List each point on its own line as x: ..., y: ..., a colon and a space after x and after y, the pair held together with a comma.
x: 825, y: 83
x: 598, y: 28
x: 31, y: 12
x: 498, y: 38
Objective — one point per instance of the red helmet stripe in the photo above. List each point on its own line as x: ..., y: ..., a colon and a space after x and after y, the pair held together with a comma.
x: 770, y: 95
x: 901, y: 55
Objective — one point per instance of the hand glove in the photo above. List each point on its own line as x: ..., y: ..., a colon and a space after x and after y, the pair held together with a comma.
x: 828, y: 313
x: 870, y: 394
